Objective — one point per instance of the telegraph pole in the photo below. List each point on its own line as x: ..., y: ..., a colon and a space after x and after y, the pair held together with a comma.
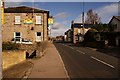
x: 83, y: 17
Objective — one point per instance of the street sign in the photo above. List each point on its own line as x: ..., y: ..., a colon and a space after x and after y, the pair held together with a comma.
x: 50, y: 21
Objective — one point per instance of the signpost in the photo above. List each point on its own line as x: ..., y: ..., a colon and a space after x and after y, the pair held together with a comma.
x: 50, y: 23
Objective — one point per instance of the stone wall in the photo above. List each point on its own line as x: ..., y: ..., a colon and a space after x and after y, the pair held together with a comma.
x: 10, y: 27
x: 10, y: 58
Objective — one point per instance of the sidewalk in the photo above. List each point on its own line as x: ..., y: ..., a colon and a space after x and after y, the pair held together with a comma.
x: 49, y: 66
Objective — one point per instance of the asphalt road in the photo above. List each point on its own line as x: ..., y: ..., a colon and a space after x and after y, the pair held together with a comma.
x: 82, y: 62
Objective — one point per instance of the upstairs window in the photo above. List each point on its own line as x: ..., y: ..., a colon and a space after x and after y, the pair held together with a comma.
x: 17, y: 19
x: 38, y: 20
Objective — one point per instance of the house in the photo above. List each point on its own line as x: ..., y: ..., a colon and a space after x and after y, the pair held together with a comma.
x: 115, y: 26
x: 115, y: 23
x: 68, y: 36
x: 22, y: 24
x: 78, y: 31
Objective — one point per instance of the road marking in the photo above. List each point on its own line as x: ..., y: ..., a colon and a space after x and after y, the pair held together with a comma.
x: 80, y: 51
x: 102, y: 62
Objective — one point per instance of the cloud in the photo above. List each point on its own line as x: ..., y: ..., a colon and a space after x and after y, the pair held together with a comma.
x: 56, y: 25
x: 64, y: 0
x: 58, y: 29
x: 12, y: 4
x: 106, y: 12
x: 61, y: 15
x: 19, y: 0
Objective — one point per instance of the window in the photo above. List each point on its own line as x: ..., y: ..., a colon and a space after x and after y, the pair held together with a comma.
x: 17, y: 19
x: 38, y: 33
x: 78, y: 30
x: 17, y: 36
x: 38, y: 20
x: 38, y: 36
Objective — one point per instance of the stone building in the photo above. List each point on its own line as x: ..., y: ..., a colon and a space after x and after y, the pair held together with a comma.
x: 115, y: 25
x: 68, y: 36
x: 78, y: 31
x: 25, y: 24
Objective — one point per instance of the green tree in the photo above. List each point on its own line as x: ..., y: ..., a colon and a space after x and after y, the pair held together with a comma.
x: 92, y: 35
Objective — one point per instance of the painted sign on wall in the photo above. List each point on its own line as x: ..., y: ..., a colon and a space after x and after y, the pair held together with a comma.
x: 28, y: 21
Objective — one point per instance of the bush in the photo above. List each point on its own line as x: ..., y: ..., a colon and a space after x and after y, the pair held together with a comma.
x: 92, y: 35
x: 10, y: 46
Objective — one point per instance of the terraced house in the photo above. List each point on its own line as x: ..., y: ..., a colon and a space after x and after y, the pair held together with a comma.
x: 25, y: 24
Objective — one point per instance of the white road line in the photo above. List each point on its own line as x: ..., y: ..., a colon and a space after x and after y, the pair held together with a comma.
x: 102, y: 62
x: 80, y: 51
x: 63, y: 64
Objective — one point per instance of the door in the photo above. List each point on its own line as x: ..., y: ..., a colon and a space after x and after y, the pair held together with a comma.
x: 38, y: 36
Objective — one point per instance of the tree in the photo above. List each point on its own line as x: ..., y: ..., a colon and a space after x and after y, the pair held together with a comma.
x: 92, y: 17
x: 92, y: 35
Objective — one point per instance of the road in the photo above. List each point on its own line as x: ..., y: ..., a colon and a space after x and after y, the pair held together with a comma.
x: 82, y: 62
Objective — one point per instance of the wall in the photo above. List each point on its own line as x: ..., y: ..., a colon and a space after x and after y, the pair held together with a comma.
x: 115, y: 21
x: 12, y: 57
x: 10, y: 27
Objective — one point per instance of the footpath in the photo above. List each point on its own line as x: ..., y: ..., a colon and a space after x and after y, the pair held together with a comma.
x: 49, y: 66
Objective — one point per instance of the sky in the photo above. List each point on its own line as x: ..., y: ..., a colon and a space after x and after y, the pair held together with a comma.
x: 65, y: 12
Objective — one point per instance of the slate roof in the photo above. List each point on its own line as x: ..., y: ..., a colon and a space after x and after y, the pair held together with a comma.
x: 23, y: 9
x: 79, y: 25
x: 115, y: 17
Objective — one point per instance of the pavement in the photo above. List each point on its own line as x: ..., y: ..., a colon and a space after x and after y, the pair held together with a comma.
x: 50, y: 65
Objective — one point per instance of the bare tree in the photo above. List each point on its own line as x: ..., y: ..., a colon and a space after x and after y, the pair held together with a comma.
x: 92, y: 17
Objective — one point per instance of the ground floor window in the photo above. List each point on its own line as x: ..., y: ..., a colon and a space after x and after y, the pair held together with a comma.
x: 17, y: 36
x: 38, y: 36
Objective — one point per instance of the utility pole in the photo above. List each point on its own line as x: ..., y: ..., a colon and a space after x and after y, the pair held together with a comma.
x: 83, y: 17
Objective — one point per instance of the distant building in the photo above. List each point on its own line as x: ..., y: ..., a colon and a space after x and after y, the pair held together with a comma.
x: 115, y: 23
x: 60, y: 38
x: 115, y: 26
x: 68, y: 35
x: 25, y: 24
x: 78, y: 31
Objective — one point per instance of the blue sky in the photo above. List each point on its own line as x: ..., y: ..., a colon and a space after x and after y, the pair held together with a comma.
x: 65, y: 12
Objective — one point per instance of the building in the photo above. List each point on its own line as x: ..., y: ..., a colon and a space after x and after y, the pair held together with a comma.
x: 115, y: 23
x: 78, y: 31
x: 25, y: 24
x: 68, y: 36
x: 115, y: 26
x: 59, y: 38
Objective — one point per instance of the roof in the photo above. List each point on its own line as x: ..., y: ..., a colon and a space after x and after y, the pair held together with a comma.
x: 80, y: 25
x: 23, y: 9
x: 115, y: 17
